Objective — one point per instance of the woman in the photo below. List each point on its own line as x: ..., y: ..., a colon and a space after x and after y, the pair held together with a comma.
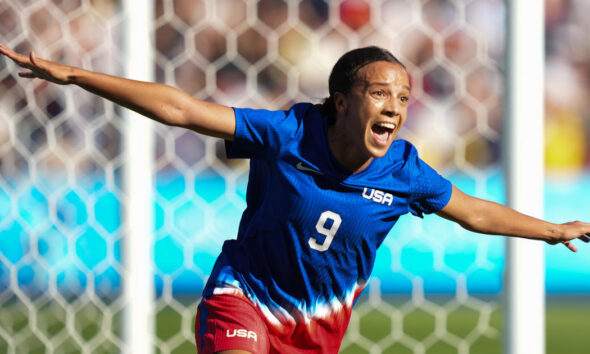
x: 326, y: 185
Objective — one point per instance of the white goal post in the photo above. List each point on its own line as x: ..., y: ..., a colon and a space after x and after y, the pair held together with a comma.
x: 524, y: 324
x: 525, y: 266
x: 110, y: 224
x: 138, y: 288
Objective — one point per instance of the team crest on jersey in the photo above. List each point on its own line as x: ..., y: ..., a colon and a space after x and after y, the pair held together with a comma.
x: 378, y: 196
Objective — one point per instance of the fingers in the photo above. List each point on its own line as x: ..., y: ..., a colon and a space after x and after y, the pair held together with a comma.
x: 20, y: 60
x: 570, y: 246
x: 27, y: 74
x: 33, y: 59
x: 31, y: 62
x: 7, y: 51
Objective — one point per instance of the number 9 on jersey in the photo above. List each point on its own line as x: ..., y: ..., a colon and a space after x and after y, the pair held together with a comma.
x: 328, y: 232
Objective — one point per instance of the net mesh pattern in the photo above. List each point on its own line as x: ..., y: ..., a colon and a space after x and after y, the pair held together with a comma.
x: 61, y: 160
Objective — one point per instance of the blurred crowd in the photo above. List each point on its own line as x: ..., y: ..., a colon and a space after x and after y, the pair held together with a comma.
x: 272, y: 53
x: 567, y: 85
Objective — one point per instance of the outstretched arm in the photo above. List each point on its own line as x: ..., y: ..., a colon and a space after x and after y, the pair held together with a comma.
x: 162, y: 103
x: 491, y: 218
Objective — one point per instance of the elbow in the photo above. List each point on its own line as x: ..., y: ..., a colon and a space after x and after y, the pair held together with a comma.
x: 173, y: 111
x: 476, y: 223
x: 173, y: 115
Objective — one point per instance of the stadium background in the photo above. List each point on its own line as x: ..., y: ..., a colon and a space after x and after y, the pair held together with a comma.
x: 436, y: 288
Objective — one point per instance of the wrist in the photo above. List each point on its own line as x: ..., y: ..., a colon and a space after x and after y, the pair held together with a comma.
x: 76, y: 76
x: 554, y: 232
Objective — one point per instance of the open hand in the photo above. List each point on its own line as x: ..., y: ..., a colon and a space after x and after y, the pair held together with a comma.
x: 39, y: 68
x: 573, y: 230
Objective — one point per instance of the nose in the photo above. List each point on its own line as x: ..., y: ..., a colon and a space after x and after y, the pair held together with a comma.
x: 391, y: 108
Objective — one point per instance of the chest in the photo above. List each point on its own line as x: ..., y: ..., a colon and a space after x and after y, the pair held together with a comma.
x: 315, y: 203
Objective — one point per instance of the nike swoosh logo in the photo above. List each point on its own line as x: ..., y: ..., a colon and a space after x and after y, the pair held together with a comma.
x: 303, y: 168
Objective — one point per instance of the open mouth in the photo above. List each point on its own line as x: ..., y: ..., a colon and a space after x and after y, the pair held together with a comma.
x: 382, y: 132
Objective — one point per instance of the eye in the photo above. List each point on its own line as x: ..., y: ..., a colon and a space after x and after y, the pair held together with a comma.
x: 405, y: 99
x: 379, y: 93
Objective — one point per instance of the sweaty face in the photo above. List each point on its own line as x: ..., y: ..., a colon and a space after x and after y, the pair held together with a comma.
x: 373, y: 112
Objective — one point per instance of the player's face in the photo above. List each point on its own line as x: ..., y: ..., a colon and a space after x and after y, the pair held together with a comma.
x: 375, y: 109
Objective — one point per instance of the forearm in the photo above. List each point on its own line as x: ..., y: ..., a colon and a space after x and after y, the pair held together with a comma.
x: 156, y: 101
x: 491, y: 218
x: 496, y: 219
x: 162, y: 103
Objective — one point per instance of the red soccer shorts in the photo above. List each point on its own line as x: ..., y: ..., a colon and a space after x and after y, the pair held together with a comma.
x: 227, y: 322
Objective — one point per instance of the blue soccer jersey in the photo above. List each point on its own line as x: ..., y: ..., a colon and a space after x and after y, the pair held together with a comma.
x: 307, y: 240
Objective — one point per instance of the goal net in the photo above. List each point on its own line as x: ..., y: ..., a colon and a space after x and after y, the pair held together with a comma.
x: 435, y: 286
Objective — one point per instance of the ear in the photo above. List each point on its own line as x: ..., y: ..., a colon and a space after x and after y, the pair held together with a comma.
x: 340, y: 103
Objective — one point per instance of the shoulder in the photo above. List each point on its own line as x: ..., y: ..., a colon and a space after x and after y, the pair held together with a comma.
x: 304, y: 108
x: 401, y: 152
x: 406, y: 158
x: 277, y: 129
x: 297, y: 111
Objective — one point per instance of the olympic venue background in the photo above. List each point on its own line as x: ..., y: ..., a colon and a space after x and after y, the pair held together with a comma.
x: 454, y: 51
x: 62, y: 204
x: 479, y: 257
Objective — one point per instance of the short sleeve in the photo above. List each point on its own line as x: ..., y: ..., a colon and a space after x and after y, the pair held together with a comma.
x: 430, y: 191
x: 261, y: 133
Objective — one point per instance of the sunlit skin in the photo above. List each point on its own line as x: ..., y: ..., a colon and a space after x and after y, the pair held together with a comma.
x: 368, y: 118
x: 380, y: 95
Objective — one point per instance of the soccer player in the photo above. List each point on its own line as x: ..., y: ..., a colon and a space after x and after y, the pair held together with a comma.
x: 327, y: 183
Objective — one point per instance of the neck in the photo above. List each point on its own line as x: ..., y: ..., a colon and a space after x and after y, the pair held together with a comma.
x: 345, y: 153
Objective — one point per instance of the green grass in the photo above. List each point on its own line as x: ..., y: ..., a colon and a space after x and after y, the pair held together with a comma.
x: 396, y: 329
x: 567, y: 329
x: 568, y: 326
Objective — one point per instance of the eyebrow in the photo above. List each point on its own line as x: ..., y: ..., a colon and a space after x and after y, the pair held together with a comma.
x: 386, y: 84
